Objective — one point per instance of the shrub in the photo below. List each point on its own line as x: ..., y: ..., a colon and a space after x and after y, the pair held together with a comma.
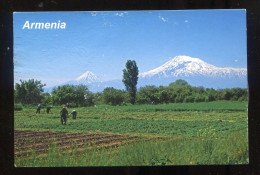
x: 113, y: 96
x: 188, y: 99
x: 18, y: 107
x: 178, y: 99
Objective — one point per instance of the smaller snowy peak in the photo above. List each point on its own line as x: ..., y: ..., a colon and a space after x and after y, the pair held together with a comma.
x: 87, y: 77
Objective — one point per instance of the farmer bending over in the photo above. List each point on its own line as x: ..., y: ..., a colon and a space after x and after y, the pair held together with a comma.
x: 74, y: 114
x: 64, y: 114
x: 48, y: 109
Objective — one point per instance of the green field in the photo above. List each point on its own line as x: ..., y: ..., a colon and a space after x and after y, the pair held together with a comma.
x: 165, y: 134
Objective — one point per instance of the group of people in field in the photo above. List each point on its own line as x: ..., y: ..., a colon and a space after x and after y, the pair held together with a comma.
x: 63, y: 113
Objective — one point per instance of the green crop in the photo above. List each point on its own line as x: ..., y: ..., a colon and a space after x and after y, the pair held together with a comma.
x: 203, y: 130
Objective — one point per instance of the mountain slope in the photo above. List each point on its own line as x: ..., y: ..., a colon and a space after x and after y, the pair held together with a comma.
x: 188, y: 66
x: 196, y: 72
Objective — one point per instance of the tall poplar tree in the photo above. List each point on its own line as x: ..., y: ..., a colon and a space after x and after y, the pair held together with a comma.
x: 130, y: 78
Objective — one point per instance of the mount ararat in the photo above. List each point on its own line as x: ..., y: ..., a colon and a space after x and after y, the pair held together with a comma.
x: 193, y: 70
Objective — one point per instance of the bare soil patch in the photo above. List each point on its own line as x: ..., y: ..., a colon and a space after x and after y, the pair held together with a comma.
x: 26, y: 142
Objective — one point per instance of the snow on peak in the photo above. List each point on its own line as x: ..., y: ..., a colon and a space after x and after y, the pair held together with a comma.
x: 188, y: 66
x: 88, y: 77
x: 181, y: 60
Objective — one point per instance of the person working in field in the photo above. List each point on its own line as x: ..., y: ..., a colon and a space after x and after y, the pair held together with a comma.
x: 64, y: 114
x: 38, y: 109
x: 48, y: 109
x: 74, y: 114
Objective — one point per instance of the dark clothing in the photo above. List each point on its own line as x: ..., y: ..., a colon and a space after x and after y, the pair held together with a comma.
x: 64, y: 114
x: 74, y: 114
x: 63, y: 120
x: 48, y: 110
x: 38, y: 109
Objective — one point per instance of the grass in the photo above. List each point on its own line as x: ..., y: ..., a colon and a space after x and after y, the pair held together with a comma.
x: 191, y: 133
x: 202, y: 106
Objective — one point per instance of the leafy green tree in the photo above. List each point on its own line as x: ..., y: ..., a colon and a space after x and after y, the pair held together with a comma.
x: 70, y: 94
x: 63, y: 94
x: 212, y: 94
x: 46, y: 100
x: 29, y: 92
x: 113, y: 96
x: 82, y: 96
x: 226, y: 94
x: 179, y: 82
x: 201, y: 89
x: 148, y: 94
x: 89, y: 99
x: 98, y: 98
x: 238, y: 93
x: 130, y: 78
x: 164, y: 96
x: 189, y: 99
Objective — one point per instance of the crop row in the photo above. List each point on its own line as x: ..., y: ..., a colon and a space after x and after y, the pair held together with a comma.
x: 26, y: 146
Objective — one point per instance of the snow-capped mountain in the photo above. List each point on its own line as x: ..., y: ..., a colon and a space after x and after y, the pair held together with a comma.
x: 196, y: 72
x: 93, y: 82
x: 188, y: 66
x: 87, y: 78
x: 193, y: 70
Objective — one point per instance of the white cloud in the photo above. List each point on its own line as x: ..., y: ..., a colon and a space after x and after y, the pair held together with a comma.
x: 236, y: 60
x: 186, y: 21
x: 93, y: 13
x: 162, y: 18
x: 121, y: 14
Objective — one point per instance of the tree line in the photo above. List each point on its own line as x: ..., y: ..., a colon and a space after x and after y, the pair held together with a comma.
x: 31, y: 92
x: 177, y: 92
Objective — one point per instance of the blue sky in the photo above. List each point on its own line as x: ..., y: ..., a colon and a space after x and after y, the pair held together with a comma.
x: 102, y: 42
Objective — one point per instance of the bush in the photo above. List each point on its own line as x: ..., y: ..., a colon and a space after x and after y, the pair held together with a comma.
x: 47, y: 100
x: 243, y: 98
x: 113, y: 96
x: 178, y: 99
x: 18, y: 107
x: 199, y: 99
x: 189, y: 99
x: 141, y: 99
x: 89, y: 99
x: 164, y: 97
x: 73, y: 105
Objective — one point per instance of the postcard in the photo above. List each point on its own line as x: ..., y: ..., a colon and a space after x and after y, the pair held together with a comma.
x: 130, y: 88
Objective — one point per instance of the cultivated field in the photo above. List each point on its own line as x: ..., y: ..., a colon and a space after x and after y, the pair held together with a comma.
x: 134, y: 135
